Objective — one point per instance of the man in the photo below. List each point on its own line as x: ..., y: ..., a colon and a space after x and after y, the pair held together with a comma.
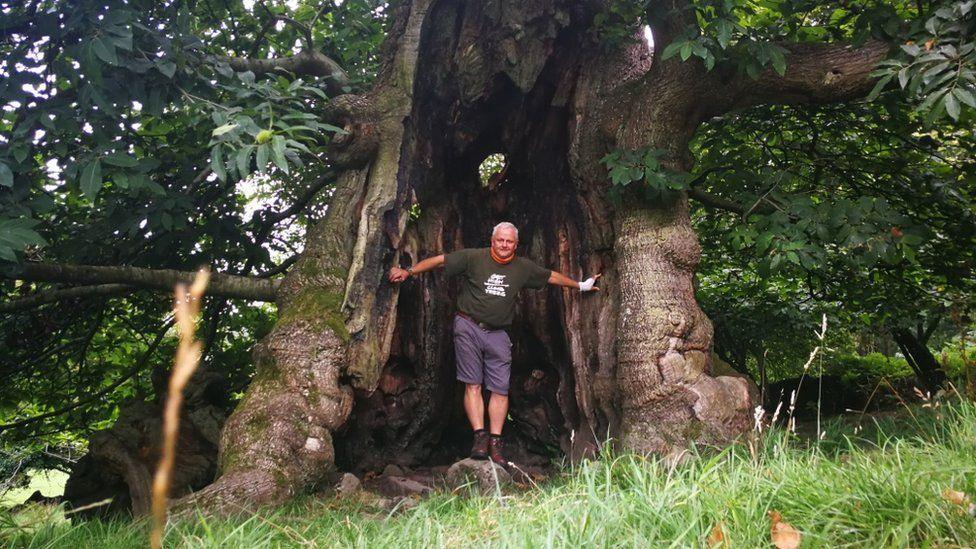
x: 486, y: 303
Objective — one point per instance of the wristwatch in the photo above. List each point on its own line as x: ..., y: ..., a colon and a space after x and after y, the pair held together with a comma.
x: 410, y: 270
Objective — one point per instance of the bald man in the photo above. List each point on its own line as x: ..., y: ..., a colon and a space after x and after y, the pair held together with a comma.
x: 491, y: 278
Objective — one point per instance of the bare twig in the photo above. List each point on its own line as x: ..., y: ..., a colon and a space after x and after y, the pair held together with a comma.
x: 187, y: 309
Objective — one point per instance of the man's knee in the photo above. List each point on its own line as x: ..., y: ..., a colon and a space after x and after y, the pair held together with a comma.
x: 472, y: 388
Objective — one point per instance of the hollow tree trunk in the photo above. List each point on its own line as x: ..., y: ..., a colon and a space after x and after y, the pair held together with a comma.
x: 359, y: 372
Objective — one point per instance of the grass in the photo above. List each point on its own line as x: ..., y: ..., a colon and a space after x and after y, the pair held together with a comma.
x: 872, y: 485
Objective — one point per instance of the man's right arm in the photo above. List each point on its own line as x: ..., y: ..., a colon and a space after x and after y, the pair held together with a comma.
x: 399, y: 275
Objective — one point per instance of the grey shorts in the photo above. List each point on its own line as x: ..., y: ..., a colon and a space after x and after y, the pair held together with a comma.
x: 484, y: 357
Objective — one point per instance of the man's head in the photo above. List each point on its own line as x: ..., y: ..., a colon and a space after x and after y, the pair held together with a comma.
x: 504, y: 240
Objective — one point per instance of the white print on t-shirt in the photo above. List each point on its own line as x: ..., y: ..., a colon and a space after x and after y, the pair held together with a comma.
x: 495, y: 285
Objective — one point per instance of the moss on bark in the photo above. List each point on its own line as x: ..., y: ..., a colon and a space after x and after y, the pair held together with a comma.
x: 319, y: 307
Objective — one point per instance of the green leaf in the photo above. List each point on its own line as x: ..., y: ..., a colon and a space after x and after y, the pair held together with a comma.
x: 6, y: 176
x: 122, y: 39
x: 15, y: 234
x: 724, y: 32
x: 262, y: 157
x: 121, y: 159
x: 278, y: 153
x: 166, y: 67
x: 965, y: 96
x: 952, y: 106
x: 753, y: 69
x: 778, y: 59
x: 91, y: 178
x: 105, y: 51
x: 224, y: 129
x: 20, y: 152
x: 334, y: 129
x: 244, y: 160
x: 217, y: 162
x: 686, y: 51
x: 709, y: 61
x: 879, y: 87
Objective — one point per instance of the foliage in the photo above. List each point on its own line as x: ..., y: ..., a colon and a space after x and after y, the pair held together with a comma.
x: 937, y: 62
x: 878, y: 482
x: 856, y: 211
x: 642, y: 166
x: 825, y: 195
x: 127, y: 139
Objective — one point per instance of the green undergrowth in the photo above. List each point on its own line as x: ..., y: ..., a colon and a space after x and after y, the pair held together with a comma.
x: 871, y: 481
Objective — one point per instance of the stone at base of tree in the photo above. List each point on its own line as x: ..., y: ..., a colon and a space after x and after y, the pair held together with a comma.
x: 485, y: 474
x: 401, y: 486
x: 393, y: 470
x: 348, y: 485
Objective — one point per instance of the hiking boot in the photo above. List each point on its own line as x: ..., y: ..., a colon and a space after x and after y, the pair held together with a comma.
x: 479, y: 450
x: 496, y: 449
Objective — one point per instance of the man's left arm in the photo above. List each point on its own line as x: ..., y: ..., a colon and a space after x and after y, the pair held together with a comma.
x: 560, y: 279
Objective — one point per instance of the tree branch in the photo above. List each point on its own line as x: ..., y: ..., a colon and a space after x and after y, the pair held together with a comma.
x: 51, y: 296
x: 305, y: 63
x: 285, y: 265
x: 712, y: 201
x: 160, y: 279
x: 815, y: 73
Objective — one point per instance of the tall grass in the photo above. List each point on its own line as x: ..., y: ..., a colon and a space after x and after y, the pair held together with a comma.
x: 874, y: 485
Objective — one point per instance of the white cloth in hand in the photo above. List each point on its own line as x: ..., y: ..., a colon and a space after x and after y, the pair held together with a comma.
x: 587, y: 285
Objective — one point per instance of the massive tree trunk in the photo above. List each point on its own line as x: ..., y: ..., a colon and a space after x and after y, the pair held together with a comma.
x: 359, y: 373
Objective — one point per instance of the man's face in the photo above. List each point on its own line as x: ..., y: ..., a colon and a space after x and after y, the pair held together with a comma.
x: 504, y: 242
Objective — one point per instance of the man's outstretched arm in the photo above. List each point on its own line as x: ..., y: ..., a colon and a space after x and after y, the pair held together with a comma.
x: 560, y: 279
x: 399, y: 275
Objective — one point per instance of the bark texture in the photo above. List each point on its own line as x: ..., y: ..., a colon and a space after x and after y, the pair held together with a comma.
x: 360, y: 373
x: 121, y: 459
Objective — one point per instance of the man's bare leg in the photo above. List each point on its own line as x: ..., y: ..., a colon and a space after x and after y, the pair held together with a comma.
x: 474, y: 406
x: 497, y: 412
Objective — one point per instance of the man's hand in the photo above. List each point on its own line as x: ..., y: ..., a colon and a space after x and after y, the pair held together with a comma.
x: 398, y: 275
x: 588, y: 284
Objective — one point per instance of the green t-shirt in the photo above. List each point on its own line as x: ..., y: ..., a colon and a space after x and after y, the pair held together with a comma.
x: 488, y: 288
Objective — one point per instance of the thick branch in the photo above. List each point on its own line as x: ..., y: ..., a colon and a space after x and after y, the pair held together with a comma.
x: 306, y: 63
x: 41, y: 298
x: 815, y: 73
x: 161, y: 279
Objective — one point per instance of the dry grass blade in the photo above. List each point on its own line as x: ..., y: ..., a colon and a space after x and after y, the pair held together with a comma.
x: 186, y: 307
